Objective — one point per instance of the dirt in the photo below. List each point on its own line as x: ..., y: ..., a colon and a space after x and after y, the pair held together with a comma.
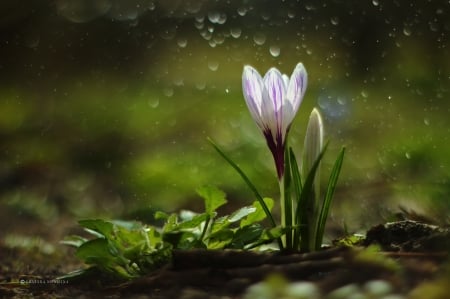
x: 413, y: 258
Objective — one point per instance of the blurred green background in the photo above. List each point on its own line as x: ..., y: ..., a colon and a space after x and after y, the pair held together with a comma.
x: 105, y: 105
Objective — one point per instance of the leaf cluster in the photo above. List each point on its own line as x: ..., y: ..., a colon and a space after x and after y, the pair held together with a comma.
x: 129, y: 249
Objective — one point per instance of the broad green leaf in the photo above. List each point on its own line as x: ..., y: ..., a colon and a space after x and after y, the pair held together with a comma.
x: 193, y: 223
x: 241, y: 213
x: 100, y: 226
x: 75, y: 241
x: 246, y: 235
x: 259, y: 213
x: 220, y: 223
x: 159, y: 215
x: 213, y: 197
x: 220, y: 239
x: 96, y: 250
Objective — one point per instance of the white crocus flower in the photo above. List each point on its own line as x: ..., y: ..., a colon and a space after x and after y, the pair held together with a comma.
x: 273, y: 102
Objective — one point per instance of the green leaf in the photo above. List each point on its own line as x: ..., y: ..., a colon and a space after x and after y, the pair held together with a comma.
x: 259, y: 214
x: 328, y: 198
x: 159, y: 215
x: 100, y: 226
x: 246, y: 235
x: 96, y: 251
x: 241, y: 213
x: 75, y: 241
x: 214, y: 198
x: 220, y: 239
x: 193, y: 223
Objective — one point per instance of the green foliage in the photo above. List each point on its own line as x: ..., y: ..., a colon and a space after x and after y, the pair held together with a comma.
x: 129, y: 249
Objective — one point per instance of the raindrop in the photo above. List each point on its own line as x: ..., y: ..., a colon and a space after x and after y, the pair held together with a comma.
x: 153, y: 103
x: 433, y: 26
x: 408, y: 155
x: 242, y: 11
x: 426, y: 121
x: 168, y: 91
x: 213, y: 65
x: 193, y: 7
x: 407, y: 31
x: 364, y: 94
x: 182, y: 42
x: 200, y: 85
x: 334, y: 21
x: 236, y: 32
x: 213, y: 16
x: 82, y: 11
x: 259, y: 38
x: 274, y: 51
x: 216, y: 17
x: 222, y: 19
x: 291, y: 14
x: 169, y: 32
x: 375, y: 2
x: 341, y: 100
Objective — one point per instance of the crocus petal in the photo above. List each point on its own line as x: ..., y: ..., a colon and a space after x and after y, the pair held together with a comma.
x: 297, y: 87
x: 252, y: 86
x: 273, y: 97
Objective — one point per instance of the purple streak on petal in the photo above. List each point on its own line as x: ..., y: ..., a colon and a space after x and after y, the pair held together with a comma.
x: 274, y: 90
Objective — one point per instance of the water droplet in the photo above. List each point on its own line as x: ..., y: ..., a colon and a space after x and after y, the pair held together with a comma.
x: 364, y: 94
x: 182, y: 42
x: 341, y: 100
x: 259, y: 38
x: 213, y: 65
x: 408, y: 155
x: 407, y: 31
x: 236, y: 32
x: 222, y: 19
x: 227, y: 90
x: 242, y: 11
x: 213, y: 16
x: 375, y: 2
x: 216, y: 17
x: 334, y: 21
x: 169, y: 32
x: 153, y: 103
x: 291, y: 14
x: 434, y: 26
x: 200, y: 85
x: 82, y: 11
x: 168, y: 91
x: 426, y: 121
x: 274, y: 51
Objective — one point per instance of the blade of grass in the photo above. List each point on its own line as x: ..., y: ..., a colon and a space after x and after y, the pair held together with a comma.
x: 249, y: 184
x: 328, y: 198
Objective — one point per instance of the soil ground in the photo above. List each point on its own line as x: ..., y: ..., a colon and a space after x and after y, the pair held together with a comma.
x: 413, y: 259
